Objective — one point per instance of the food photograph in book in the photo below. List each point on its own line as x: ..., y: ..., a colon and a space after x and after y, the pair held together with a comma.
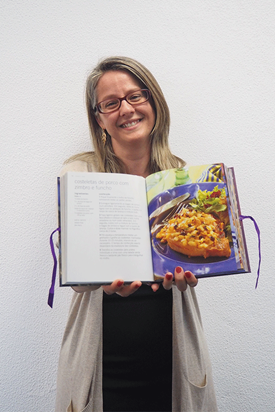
x: 193, y: 224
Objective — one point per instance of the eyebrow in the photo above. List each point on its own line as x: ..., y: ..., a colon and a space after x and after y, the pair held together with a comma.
x: 115, y: 96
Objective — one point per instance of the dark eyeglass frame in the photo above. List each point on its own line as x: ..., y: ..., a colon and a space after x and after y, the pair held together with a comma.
x: 97, y: 107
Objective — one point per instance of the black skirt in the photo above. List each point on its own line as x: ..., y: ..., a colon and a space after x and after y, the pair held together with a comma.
x: 137, y: 351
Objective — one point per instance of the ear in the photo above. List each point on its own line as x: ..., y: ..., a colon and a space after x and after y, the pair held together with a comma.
x: 100, y: 122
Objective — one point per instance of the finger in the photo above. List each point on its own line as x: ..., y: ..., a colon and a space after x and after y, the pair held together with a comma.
x: 155, y: 287
x: 180, y: 279
x: 168, y: 281
x: 129, y: 289
x: 190, y: 278
x: 115, y: 287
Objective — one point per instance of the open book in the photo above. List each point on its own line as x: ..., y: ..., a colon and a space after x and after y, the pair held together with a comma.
x: 124, y: 226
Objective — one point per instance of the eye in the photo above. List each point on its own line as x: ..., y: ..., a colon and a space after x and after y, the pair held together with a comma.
x: 135, y: 97
x: 109, y: 104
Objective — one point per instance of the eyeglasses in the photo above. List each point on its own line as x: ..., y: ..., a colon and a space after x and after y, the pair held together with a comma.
x: 111, y: 105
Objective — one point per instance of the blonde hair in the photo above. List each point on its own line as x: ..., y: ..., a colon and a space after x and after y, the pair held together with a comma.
x: 161, y: 156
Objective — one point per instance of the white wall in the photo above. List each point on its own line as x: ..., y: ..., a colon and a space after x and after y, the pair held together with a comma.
x: 215, y: 62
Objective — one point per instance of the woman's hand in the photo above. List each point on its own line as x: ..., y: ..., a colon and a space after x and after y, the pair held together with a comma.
x: 123, y: 290
x: 181, y: 279
x: 116, y: 287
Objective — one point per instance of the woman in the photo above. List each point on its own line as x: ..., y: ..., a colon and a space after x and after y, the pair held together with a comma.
x: 151, y: 338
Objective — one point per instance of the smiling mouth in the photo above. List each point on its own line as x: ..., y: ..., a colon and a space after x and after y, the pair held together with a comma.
x: 130, y: 124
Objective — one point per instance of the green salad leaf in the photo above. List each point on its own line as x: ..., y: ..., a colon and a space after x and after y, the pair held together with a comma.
x: 210, y: 202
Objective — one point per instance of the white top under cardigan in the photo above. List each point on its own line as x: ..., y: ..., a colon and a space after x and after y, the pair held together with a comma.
x: 79, y: 381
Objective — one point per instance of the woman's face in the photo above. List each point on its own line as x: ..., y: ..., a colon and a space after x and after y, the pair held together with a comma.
x: 129, y: 124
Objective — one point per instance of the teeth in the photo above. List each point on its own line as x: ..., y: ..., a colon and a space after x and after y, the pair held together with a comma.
x: 130, y: 124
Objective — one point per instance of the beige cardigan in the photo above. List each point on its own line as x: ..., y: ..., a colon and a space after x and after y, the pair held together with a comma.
x: 79, y: 381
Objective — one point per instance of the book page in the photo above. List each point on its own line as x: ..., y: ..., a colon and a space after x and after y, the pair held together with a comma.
x: 106, y: 227
x: 190, y: 221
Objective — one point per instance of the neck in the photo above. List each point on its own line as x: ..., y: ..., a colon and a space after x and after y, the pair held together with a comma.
x: 136, y: 159
x: 137, y: 166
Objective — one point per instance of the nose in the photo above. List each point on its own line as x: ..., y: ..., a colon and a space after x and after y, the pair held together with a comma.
x: 125, y: 108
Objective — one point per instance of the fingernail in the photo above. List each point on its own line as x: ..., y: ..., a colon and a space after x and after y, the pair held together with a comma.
x: 188, y: 274
x: 120, y: 283
x: 169, y: 276
x: 137, y: 285
x: 178, y: 269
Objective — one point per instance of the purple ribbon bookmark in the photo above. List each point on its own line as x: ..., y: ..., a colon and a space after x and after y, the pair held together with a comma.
x: 51, y: 291
x: 259, y: 244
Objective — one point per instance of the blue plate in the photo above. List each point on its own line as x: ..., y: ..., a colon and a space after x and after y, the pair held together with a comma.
x: 165, y: 259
